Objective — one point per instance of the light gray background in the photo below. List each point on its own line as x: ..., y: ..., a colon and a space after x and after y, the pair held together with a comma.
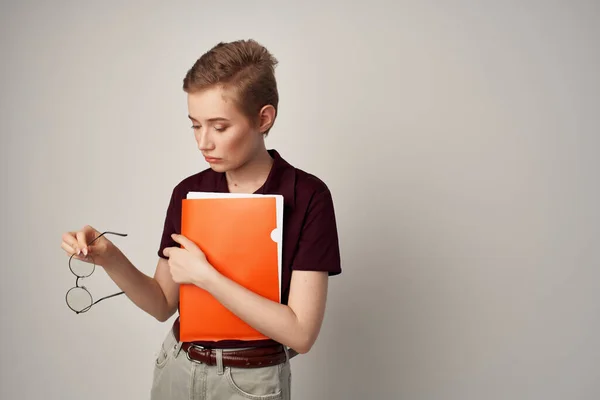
x: 460, y: 142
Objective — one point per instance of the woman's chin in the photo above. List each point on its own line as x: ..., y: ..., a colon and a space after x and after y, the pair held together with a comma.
x: 218, y: 167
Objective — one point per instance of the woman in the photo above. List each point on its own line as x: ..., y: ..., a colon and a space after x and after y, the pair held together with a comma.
x: 232, y: 104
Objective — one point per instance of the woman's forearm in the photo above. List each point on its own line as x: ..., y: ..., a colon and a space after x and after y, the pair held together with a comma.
x: 272, y: 319
x: 143, y: 290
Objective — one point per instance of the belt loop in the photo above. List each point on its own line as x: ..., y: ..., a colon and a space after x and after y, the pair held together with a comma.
x: 291, y: 353
x: 220, y: 369
x: 287, y: 354
x: 177, y: 349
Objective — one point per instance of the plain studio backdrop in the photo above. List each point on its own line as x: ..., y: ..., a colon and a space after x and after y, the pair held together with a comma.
x: 459, y: 140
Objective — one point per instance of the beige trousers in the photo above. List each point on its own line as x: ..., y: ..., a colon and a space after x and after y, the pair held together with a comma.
x: 178, y: 378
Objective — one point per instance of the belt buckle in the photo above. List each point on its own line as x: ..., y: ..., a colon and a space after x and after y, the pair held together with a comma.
x: 201, y: 349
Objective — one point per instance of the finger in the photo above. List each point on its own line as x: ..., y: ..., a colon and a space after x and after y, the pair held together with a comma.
x: 90, y: 230
x: 73, y: 253
x: 90, y: 233
x: 82, y: 242
x: 185, y: 242
x: 167, y: 251
x: 70, y: 240
x: 67, y: 248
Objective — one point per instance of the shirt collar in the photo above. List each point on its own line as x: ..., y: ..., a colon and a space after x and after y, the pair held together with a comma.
x: 281, y: 180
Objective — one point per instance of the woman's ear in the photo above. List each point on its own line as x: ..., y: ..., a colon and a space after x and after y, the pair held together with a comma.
x: 266, y: 117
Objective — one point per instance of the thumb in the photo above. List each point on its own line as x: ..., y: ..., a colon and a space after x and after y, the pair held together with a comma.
x: 91, y: 249
x: 186, y: 243
x: 90, y: 233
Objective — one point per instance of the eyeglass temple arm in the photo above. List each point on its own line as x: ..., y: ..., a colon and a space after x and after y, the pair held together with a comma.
x: 105, y: 233
x: 107, y: 297
x: 97, y: 301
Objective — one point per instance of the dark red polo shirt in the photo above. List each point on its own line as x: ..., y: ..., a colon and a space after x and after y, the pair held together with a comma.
x: 310, y: 239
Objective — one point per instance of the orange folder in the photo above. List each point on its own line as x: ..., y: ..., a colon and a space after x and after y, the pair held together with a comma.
x: 241, y: 236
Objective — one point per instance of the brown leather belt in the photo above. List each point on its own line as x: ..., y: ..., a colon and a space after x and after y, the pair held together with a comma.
x: 247, y: 358
x: 256, y: 357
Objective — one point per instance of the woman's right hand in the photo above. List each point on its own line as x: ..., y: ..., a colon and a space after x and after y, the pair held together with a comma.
x: 76, y: 243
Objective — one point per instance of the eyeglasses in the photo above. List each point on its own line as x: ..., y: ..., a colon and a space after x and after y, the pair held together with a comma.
x: 78, y: 297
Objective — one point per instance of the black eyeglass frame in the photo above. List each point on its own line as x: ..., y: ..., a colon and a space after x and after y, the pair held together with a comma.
x: 78, y: 277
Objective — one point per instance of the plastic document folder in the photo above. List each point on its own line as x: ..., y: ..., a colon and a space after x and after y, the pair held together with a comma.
x: 241, y: 236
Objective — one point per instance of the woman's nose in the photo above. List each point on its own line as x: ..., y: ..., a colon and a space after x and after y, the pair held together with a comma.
x: 204, y: 141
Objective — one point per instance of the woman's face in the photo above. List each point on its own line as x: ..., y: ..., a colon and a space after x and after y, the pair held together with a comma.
x: 225, y: 136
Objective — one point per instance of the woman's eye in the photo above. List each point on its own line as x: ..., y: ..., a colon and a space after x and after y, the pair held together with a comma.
x: 220, y: 128
x: 195, y: 127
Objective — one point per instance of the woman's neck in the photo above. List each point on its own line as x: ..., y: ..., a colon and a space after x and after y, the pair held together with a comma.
x: 250, y: 176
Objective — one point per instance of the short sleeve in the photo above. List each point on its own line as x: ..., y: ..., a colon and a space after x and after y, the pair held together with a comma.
x: 172, y: 223
x: 318, y: 246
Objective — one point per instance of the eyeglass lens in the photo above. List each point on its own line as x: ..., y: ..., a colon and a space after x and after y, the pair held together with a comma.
x: 82, y: 269
x: 79, y: 299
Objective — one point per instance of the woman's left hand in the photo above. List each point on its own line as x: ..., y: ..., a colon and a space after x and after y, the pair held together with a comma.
x: 189, y: 264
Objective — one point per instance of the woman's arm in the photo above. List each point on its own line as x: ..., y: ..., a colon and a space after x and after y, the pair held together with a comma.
x: 296, y: 325
x: 157, y: 295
